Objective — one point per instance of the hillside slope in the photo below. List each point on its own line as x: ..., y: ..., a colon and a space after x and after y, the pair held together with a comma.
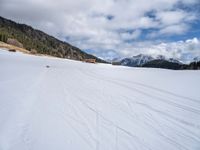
x: 79, y: 106
x: 41, y: 42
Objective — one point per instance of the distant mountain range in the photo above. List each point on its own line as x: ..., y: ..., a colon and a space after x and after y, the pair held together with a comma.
x: 141, y: 59
x: 32, y: 39
x: 160, y: 61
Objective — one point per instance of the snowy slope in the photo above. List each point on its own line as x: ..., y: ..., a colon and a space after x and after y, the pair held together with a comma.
x: 78, y: 106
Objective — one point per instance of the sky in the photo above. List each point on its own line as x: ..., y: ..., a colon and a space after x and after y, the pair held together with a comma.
x: 115, y: 28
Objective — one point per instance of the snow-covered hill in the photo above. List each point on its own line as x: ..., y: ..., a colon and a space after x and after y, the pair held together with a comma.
x: 79, y: 106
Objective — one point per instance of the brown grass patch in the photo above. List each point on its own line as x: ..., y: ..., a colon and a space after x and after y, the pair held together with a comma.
x: 9, y: 47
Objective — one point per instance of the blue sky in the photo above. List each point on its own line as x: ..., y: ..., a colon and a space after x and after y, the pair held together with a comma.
x: 115, y: 28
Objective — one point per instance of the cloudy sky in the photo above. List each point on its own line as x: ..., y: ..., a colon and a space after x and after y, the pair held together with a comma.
x: 115, y: 28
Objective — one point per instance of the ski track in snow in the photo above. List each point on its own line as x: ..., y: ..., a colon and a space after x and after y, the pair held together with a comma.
x: 80, y: 106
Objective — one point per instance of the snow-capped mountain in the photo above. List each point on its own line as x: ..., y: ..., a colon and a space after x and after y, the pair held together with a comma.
x: 158, y: 61
x: 137, y: 60
x: 142, y: 59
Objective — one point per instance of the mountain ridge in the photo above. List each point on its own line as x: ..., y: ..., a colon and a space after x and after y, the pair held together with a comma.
x: 34, y: 39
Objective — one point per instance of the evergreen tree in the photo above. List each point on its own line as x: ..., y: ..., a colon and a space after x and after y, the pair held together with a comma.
x: 3, y: 37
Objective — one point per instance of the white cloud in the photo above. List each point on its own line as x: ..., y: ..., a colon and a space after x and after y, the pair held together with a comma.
x: 175, y: 17
x: 174, y: 29
x: 130, y: 36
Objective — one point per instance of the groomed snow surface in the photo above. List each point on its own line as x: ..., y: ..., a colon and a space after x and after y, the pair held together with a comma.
x: 79, y: 106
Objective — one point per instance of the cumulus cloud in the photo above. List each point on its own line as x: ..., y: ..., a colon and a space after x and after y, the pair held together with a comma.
x: 112, y: 26
x: 130, y: 36
x: 174, y: 29
x: 174, y: 17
